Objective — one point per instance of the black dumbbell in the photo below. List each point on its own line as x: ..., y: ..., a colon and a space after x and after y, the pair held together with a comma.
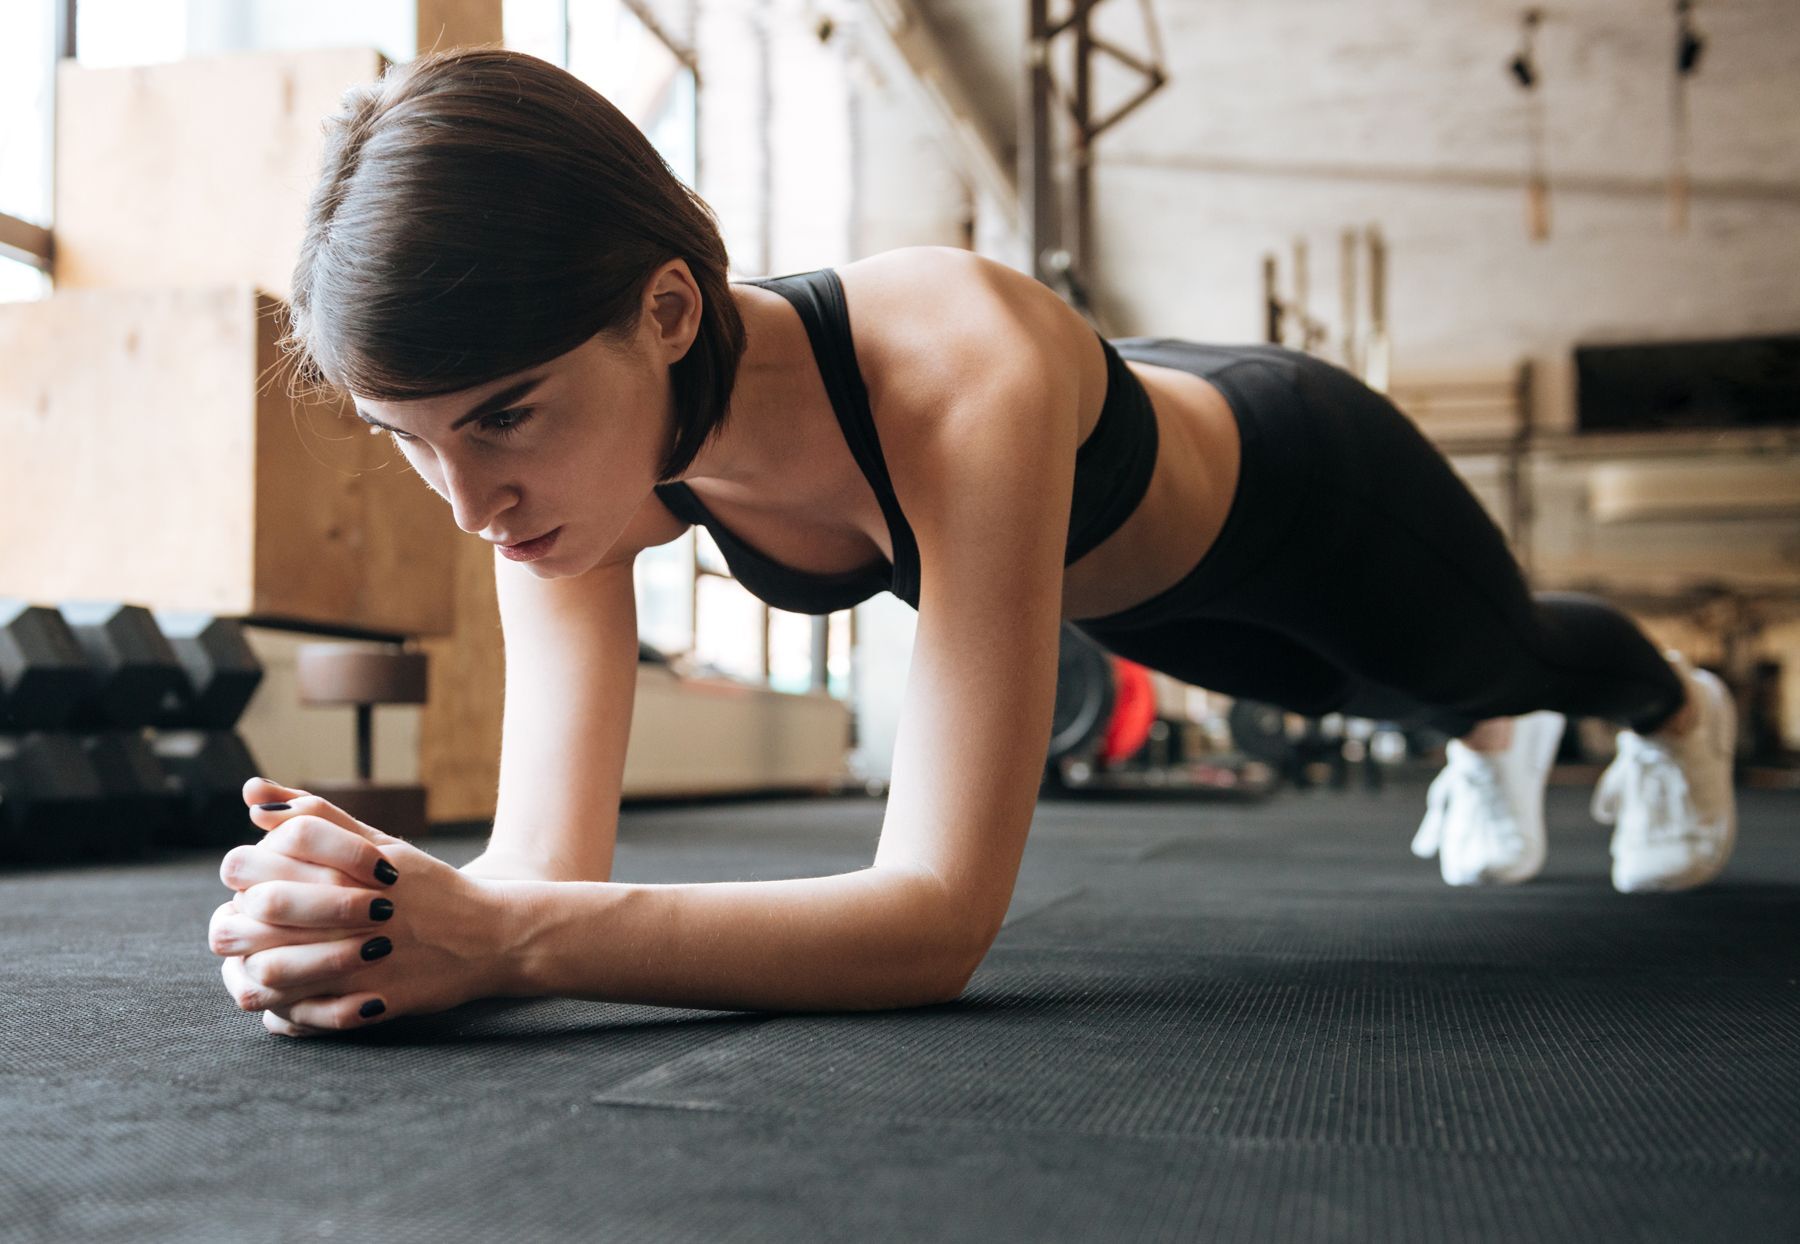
x: 209, y: 768
x: 144, y: 804
x: 44, y: 674
x: 52, y: 802
x: 138, y: 679
x: 222, y: 670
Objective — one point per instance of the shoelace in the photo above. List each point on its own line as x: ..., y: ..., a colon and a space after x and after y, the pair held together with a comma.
x: 1473, y: 776
x: 1646, y: 792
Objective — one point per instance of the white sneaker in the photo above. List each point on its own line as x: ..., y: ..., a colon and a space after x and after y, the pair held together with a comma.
x: 1671, y: 798
x: 1484, y: 816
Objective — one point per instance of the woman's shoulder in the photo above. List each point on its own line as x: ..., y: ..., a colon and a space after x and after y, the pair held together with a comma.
x: 941, y: 294
x: 931, y: 322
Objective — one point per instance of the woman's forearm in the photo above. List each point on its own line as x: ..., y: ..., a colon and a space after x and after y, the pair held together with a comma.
x: 866, y: 940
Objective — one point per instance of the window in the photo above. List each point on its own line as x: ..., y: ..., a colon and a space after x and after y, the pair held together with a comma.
x: 131, y: 32
x: 20, y: 282
x: 607, y: 44
x: 27, y: 89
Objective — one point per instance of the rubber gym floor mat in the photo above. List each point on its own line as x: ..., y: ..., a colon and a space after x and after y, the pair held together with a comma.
x: 115, y: 1164
x: 1201, y: 1021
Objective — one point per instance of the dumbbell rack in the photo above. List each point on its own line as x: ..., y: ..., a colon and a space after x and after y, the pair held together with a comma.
x: 118, y: 731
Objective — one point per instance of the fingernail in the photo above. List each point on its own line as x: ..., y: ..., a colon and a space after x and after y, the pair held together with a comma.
x: 381, y: 909
x: 376, y: 947
x: 372, y: 1008
x: 384, y: 873
x: 274, y: 807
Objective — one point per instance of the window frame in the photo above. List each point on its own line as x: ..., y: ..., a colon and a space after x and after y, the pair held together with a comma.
x: 20, y: 240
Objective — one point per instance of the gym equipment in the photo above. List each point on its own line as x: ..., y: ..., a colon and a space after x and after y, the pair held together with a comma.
x: 81, y: 688
x: 223, y: 673
x: 208, y: 769
x: 1260, y: 730
x: 43, y: 671
x: 1134, y: 712
x: 1084, y: 697
x: 1105, y: 736
x: 362, y: 675
x: 52, y: 802
x: 137, y: 678
x: 143, y: 801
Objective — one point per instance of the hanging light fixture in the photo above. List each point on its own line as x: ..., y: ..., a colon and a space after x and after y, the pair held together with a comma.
x: 1689, y: 44
x: 1524, y: 70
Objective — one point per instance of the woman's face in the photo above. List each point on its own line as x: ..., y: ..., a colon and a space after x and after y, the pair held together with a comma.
x: 571, y: 444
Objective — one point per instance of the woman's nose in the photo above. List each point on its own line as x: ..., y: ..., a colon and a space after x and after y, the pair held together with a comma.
x: 473, y: 501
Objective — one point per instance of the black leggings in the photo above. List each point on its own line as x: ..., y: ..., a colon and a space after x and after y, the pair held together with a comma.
x: 1357, y: 574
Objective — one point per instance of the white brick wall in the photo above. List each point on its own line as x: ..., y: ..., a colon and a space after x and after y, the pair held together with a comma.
x: 1301, y: 117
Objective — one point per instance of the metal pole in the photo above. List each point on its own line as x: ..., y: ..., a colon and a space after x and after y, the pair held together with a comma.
x: 1376, y: 359
x: 65, y: 30
x: 1081, y: 259
x: 365, y: 736
x: 821, y: 652
x: 1302, y: 295
x: 1271, y: 303
x: 1035, y: 174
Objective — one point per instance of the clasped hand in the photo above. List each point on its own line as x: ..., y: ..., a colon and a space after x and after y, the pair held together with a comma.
x: 337, y: 925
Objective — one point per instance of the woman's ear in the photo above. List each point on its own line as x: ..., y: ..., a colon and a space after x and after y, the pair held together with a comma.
x: 674, y: 303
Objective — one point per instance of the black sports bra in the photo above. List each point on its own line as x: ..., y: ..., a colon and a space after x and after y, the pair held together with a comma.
x: 1112, y: 468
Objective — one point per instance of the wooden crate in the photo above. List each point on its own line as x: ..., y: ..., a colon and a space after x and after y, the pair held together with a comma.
x: 149, y: 452
x: 196, y: 172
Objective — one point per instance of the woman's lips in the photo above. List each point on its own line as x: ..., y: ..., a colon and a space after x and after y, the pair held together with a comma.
x: 530, y: 550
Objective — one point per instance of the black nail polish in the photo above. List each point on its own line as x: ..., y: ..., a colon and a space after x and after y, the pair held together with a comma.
x: 385, y: 873
x: 274, y: 807
x: 381, y: 909
x: 376, y: 947
x: 372, y: 1008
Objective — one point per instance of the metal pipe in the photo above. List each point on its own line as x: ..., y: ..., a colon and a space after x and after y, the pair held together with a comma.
x: 1082, y: 249
x: 1347, y: 291
x: 1375, y: 363
x: 1271, y: 303
x: 1300, y: 295
x: 821, y: 653
x: 1035, y: 175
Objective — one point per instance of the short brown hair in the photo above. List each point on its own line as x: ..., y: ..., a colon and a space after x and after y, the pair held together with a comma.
x: 480, y: 212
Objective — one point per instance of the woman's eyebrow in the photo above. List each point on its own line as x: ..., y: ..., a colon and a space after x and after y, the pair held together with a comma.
x: 486, y: 406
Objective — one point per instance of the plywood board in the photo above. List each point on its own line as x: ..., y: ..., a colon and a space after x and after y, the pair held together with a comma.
x: 445, y: 24
x: 459, y: 727
x: 194, y: 172
x: 148, y: 457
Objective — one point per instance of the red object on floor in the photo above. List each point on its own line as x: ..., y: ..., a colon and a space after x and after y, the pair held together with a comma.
x: 1134, y: 708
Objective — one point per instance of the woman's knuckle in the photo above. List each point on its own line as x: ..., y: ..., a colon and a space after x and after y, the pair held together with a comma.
x: 232, y: 867
x: 270, y: 903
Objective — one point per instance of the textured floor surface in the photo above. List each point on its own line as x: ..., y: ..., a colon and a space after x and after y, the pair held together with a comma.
x: 1202, y: 1021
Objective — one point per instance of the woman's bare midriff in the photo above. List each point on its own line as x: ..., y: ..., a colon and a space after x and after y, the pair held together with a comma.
x: 1172, y: 528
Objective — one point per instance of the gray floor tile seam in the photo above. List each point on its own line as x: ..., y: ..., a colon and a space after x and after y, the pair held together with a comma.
x: 1016, y: 918
x: 1757, y: 1165
x: 1144, y: 904
x: 1484, y: 970
x: 500, y: 1101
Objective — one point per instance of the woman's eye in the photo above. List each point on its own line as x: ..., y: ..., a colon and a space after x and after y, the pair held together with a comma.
x: 506, y: 422
x: 500, y: 425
